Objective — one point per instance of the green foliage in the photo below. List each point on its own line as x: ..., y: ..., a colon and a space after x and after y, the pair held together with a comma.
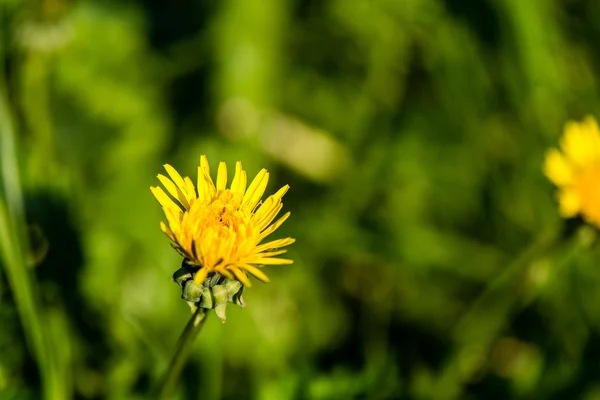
x: 430, y: 260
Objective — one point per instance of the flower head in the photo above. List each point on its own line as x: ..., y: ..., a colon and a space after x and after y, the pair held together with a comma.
x: 576, y: 170
x: 220, y: 230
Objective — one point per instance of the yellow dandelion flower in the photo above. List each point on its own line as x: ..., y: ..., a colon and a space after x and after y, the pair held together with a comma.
x: 220, y: 230
x: 576, y: 170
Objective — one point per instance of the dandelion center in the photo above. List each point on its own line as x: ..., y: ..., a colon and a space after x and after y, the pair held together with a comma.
x: 220, y: 232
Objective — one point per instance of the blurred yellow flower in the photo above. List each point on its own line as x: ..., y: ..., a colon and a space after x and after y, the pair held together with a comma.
x: 576, y: 170
x: 220, y: 230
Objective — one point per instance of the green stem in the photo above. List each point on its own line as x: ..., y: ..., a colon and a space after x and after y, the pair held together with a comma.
x: 182, y: 352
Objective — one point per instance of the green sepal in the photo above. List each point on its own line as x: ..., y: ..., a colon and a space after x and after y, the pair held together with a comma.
x: 192, y: 291
x: 220, y: 310
x: 220, y: 294
x: 232, y: 287
x: 182, y: 275
x: 207, y: 300
x: 221, y: 299
x: 237, y: 298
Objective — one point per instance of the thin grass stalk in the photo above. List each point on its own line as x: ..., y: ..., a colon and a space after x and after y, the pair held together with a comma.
x: 500, y: 301
x: 13, y: 256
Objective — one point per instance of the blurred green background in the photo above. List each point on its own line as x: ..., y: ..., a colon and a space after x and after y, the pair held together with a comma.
x: 430, y: 261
